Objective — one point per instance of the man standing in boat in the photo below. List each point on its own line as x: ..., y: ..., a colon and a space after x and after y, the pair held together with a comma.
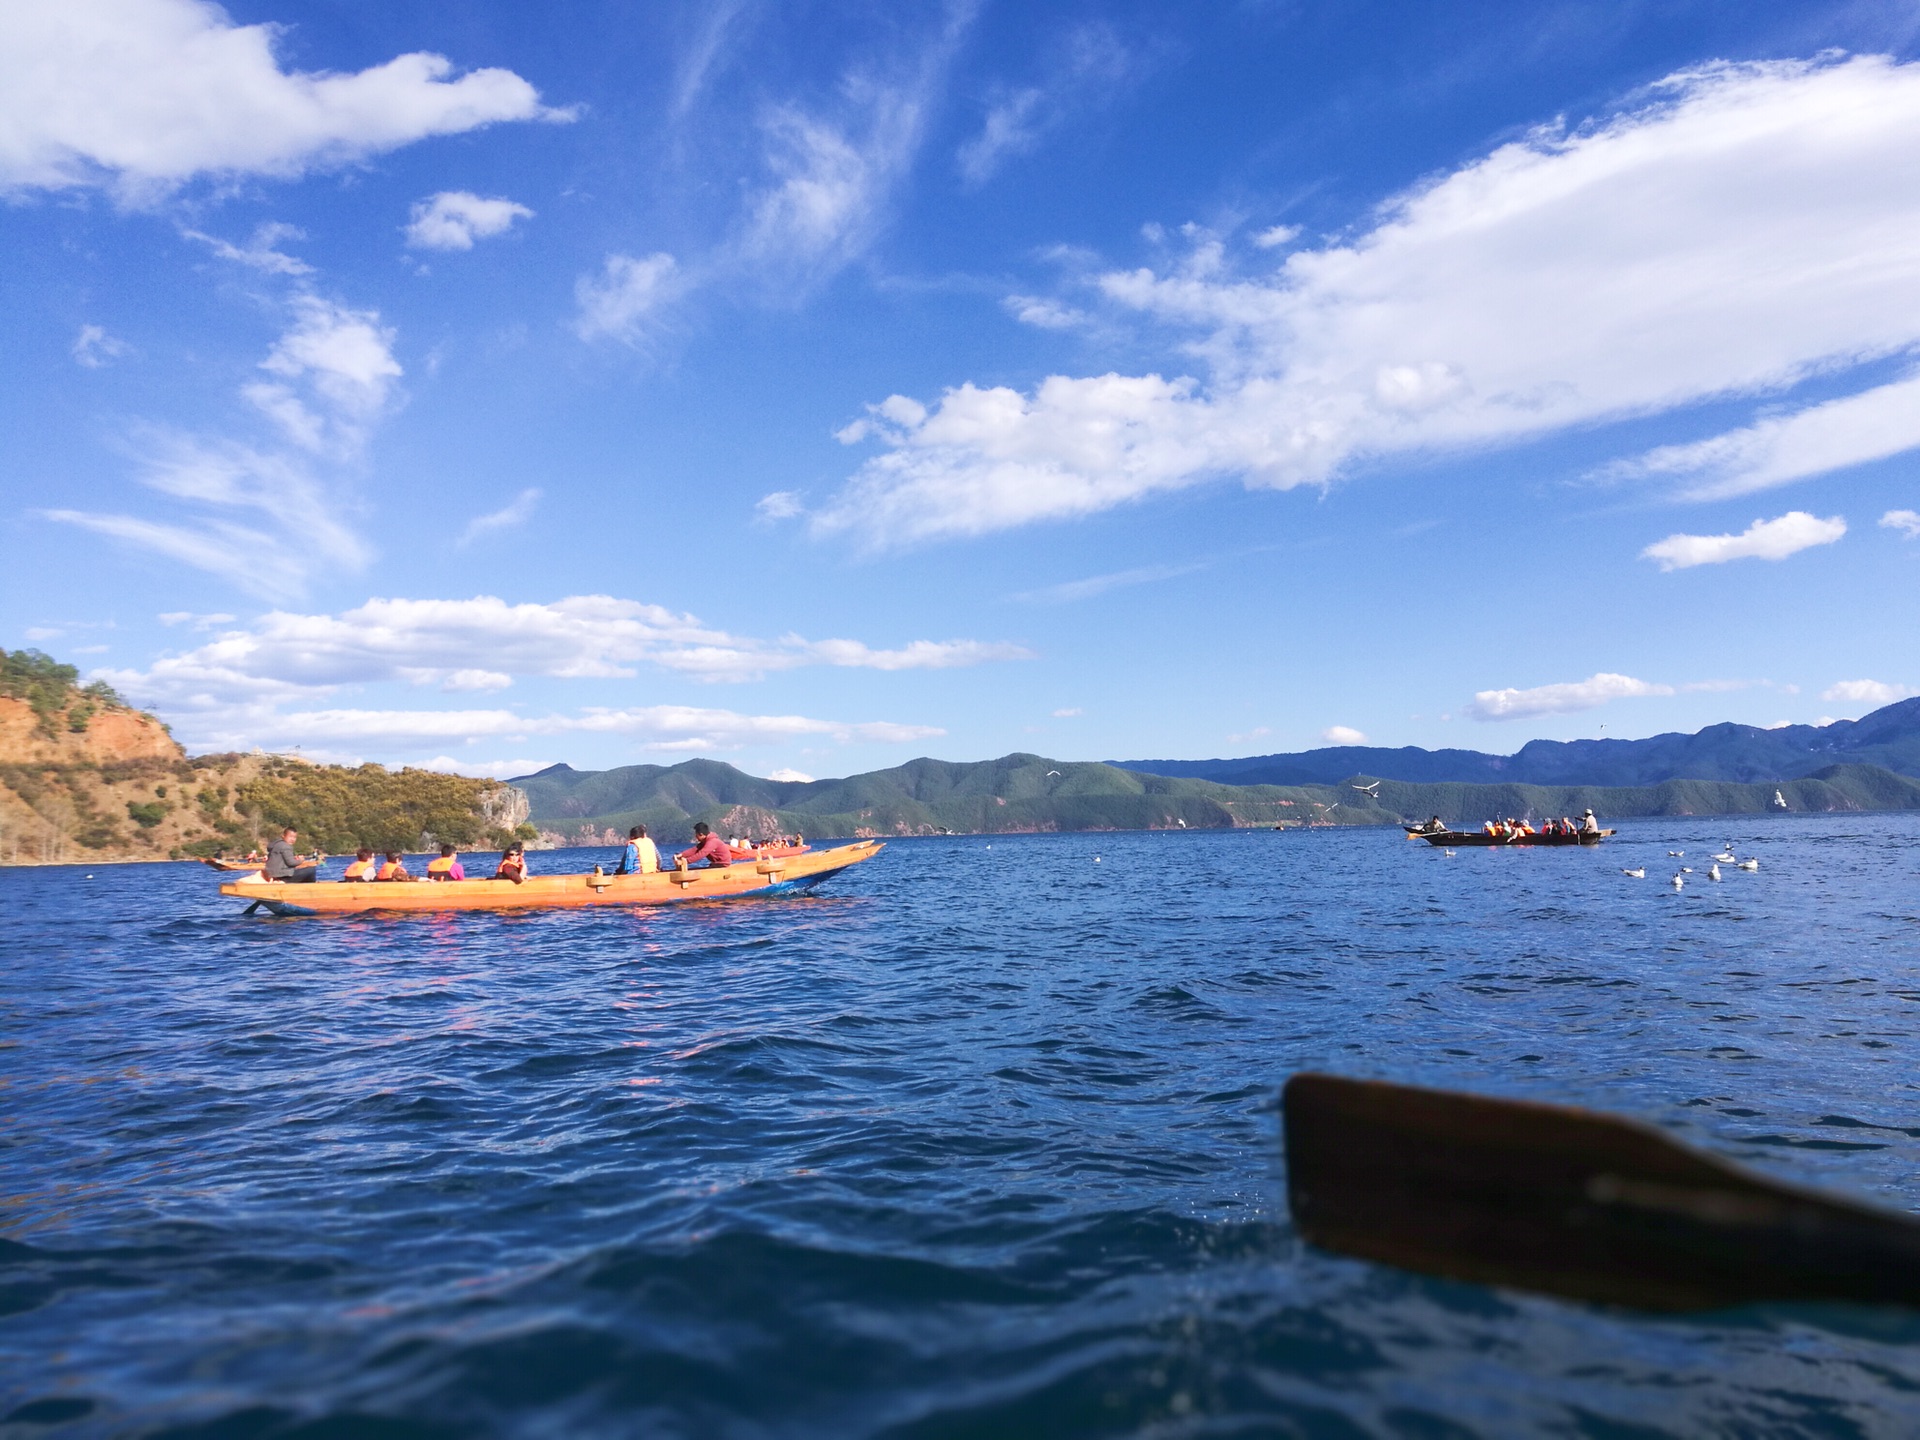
x: 283, y: 861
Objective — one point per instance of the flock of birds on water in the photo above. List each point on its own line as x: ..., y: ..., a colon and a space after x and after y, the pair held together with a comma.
x: 1679, y: 881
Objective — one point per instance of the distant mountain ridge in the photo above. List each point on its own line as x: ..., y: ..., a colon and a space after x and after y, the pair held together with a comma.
x: 1029, y: 793
x: 1746, y: 754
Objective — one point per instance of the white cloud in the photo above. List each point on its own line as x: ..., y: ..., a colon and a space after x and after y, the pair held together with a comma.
x: 93, y: 347
x: 509, y: 516
x: 1012, y: 127
x: 1258, y: 732
x: 1563, y: 699
x: 336, y: 374
x: 1907, y: 522
x: 791, y: 777
x: 262, y: 252
x: 1071, y: 712
x: 1043, y: 314
x: 1762, y: 540
x: 485, y: 643
x: 454, y: 219
x: 1276, y: 236
x: 1343, y: 735
x: 657, y: 727
x: 1867, y: 692
x: 1852, y: 431
x: 1744, y: 227
x: 626, y: 293
x: 198, y: 622
x: 489, y: 769
x: 780, y: 505
x: 144, y: 95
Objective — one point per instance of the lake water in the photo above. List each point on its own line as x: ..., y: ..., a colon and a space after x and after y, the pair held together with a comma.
x: 978, y: 1140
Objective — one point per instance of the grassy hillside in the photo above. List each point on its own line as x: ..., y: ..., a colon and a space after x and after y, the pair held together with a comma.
x: 1024, y: 793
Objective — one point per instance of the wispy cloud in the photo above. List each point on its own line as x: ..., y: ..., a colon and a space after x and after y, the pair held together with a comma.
x: 93, y: 347
x: 1085, y: 66
x: 1762, y: 540
x: 1072, y: 590
x: 625, y: 296
x: 1728, y: 234
x: 510, y: 516
x: 262, y: 252
x: 1907, y: 522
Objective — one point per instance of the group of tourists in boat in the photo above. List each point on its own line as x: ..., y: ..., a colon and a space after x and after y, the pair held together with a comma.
x: 1511, y: 829
x: 284, y: 864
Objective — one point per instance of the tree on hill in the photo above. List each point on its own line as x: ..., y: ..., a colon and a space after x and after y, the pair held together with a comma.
x: 53, y: 690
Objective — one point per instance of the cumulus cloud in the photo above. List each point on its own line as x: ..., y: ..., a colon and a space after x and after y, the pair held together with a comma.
x: 1343, y: 735
x: 485, y: 643
x: 508, y: 517
x: 144, y: 95
x: 1762, y: 540
x: 1907, y: 522
x: 454, y: 219
x: 1739, y: 229
x: 93, y: 347
x: 619, y: 301
x: 1563, y: 699
x: 1867, y: 692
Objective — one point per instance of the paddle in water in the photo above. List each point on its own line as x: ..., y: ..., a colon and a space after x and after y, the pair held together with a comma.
x: 1571, y: 1202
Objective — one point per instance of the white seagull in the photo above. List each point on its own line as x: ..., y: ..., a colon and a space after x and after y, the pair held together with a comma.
x: 1749, y: 864
x: 1676, y: 852
x: 1726, y: 855
x: 1371, y: 791
x: 1639, y: 874
x: 1679, y: 883
x: 1443, y: 851
x: 1051, y: 774
x: 1713, y: 871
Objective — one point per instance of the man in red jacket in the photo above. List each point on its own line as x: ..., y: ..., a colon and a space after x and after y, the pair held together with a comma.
x: 707, y: 846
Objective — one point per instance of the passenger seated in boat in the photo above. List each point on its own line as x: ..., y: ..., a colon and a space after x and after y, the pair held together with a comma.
x: 393, y: 868
x: 707, y: 846
x: 513, y: 864
x: 642, y: 856
x: 447, y: 866
x: 1435, y: 826
x: 1589, y: 825
x: 362, y: 867
x: 285, y: 865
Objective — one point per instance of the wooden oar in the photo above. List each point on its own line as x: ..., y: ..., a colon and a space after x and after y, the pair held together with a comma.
x: 1571, y: 1202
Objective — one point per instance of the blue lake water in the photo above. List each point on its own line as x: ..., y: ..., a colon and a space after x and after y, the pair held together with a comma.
x: 978, y: 1140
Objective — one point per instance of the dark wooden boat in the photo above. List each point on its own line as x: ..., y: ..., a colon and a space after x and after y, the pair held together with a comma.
x: 1451, y: 838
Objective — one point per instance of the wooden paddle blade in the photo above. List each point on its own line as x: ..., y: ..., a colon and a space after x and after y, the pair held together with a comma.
x: 1571, y: 1202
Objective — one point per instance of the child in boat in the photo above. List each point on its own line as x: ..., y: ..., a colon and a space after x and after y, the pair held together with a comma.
x: 362, y: 867
x: 447, y: 866
x: 513, y: 864
x: 393, y: 868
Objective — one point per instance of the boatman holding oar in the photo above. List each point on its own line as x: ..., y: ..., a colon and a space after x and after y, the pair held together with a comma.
x: 707, y: 846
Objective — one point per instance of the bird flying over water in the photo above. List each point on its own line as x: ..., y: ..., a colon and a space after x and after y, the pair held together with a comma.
x: 1052, y: 773
x: 1371, y: 791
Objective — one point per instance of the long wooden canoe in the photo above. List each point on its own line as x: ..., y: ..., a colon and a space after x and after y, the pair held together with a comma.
x: 1451, y: 838
x: 769, y: 876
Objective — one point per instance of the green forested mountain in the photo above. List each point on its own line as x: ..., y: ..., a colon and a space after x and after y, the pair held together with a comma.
x: 1021, y: 793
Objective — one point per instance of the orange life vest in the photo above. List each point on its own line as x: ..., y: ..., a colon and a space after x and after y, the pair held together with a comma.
x: 360, y: 870
x: 438, y: 869
x: 392, y: 870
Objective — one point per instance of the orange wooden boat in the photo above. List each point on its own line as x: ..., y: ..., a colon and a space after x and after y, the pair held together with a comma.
x: 769, y: 875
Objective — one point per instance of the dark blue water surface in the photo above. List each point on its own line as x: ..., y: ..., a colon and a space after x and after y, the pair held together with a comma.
x: 977, y: 1140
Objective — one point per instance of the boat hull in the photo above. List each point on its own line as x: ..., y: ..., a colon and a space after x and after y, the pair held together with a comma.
x: 1453, y: 838
x: 771, y: 876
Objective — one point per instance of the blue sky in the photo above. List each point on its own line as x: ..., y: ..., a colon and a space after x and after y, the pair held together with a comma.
x: 814, y: 387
